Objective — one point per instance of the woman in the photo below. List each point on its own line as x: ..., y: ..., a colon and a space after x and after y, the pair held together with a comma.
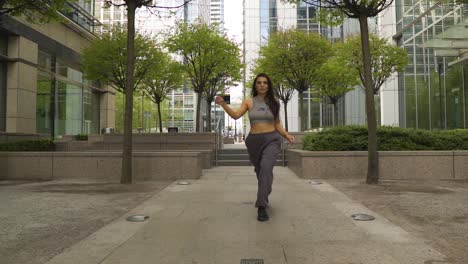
x: 264, y: 140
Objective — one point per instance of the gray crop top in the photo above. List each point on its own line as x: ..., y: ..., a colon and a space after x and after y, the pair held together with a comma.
x: 260, y: 112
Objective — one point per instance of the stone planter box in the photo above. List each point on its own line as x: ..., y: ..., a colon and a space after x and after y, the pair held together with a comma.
x: 142, y: 142
x: 105, y: 166
x: 392, y: 164
x: 13, y: 137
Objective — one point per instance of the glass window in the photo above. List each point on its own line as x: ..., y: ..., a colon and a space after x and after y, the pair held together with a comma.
x: 189, y: 115
x: 410, y: 98
x: 43, y: 104
x: 3, y: 80
x: 68, y: 120
x: 44, y: 60
x: 66, y: 70
x: 422, y: 102
x: 437, y: 99
x: 454, y: 98
x: 3, y: 44
x: 3, y: 72
x: 91, y: 111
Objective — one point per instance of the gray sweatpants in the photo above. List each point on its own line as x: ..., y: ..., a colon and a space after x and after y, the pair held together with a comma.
x: 263, y: 151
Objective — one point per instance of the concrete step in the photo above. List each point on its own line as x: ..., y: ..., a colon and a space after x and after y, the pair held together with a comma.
x: 233, y: 151
x: 239, y: 157
x: 233, y: 157
x: 242, y: 163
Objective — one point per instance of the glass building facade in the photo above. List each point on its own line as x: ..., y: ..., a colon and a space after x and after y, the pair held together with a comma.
x: 433, y: 89
x: 3, y: 80
x: 67, y: 103
x: 55, y: 99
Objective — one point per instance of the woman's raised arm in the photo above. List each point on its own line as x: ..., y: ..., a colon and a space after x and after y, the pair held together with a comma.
x: 235, y: 114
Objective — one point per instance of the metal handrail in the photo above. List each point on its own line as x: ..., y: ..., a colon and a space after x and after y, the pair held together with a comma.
x: 217, y: 141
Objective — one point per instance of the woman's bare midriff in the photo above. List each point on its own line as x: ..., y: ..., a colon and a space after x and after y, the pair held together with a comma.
x: 262, y: 128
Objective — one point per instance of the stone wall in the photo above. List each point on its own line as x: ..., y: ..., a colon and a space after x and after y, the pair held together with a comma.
x: 105, y: 166
x: 392, y: 164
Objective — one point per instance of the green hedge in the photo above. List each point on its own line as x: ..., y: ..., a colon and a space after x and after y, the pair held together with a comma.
x: 28, y: 145
x: 354, y: 138
x: 81, y: 137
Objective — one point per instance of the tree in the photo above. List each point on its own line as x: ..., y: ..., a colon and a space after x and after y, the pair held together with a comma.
x: 362, y: 10
x: 296, y: 56
x: 206, y: 54
x: 163, y: 78
x: 385, y: 59
x: 225, y: 75
x: 284, y: 93
x: 335, y: 80
x: 105, y: 59
x: 35, y: 11
x: 132, y: 6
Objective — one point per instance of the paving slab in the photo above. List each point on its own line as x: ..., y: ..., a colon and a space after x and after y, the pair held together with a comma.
x: 213, y: 220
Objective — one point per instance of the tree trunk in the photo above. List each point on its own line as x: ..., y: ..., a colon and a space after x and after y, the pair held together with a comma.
x: 197, y: 117
x: 209, y: 115
x: 335, y: 114
x: 301, y: 111
x: 286, y: 116
x: 373, y: 158
x: 127, y: 144
x: 159, y: 116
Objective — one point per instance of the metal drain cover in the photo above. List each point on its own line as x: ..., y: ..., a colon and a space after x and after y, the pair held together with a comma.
x: 315, y: 182
x: 137, y: 218
x: 251, y: 261
x: 362, y: 217
x: 183, y: 183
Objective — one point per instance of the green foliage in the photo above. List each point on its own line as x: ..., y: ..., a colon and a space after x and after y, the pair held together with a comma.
x: 211, y: 60
x: 330, y: 17
x: 208, y: 54
x: 139, y: 107
x: 34, y: 11
x: 105, y: 59
x: 386, y: 58
x: 81, y: 137
x: 28, y: 145
x: 162, y: 78
x: 354, y: 138
x: 294, y: 57
x: 335, y: 80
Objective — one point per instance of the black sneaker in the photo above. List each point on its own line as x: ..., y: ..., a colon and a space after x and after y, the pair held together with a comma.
x: 262, y: 214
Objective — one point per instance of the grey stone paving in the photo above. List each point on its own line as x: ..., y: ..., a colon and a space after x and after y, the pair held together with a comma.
x: 213, y: 221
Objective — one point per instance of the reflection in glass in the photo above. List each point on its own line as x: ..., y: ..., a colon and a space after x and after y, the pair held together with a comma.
x: 69, y: 109
x: 91, y: 111
x: 433, y: 92
x: 43, y: 105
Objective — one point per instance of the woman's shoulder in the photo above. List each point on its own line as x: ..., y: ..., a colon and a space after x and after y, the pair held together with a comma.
x: 248, y: 101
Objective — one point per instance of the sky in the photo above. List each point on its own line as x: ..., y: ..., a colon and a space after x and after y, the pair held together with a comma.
x: 233, y: 24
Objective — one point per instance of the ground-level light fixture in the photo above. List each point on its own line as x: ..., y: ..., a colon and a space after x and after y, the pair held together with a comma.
x: 362, y: 217
x: 183, y: 183
x: 137, y: 218
x: 315, y: 182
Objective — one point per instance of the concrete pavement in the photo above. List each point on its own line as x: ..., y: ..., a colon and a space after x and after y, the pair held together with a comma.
x: 213, y: 220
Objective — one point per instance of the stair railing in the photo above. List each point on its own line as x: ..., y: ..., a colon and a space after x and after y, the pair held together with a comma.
x: 218, y: 143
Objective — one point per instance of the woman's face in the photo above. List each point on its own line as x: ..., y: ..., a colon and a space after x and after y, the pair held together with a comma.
x: 261, y: 85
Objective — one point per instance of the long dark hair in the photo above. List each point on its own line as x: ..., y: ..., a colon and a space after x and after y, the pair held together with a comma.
x: 270, y: 96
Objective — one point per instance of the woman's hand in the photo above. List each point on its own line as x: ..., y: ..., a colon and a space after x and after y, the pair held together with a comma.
x: 219, y: 100
x: 290, y: 139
